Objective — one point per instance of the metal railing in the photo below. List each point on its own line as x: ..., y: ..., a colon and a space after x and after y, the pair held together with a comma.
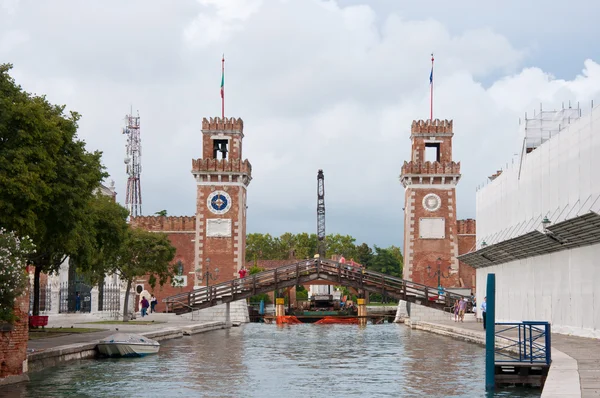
x: 307, y: 270
x: 527, y: 341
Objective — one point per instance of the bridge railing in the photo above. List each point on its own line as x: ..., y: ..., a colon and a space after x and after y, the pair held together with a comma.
x: 328, y: 269
x: 527, y: 341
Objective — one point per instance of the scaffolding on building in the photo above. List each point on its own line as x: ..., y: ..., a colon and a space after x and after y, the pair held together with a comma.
x: 545, y: 124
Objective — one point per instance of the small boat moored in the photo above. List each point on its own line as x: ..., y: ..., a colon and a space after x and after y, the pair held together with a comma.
x: 127, y: 345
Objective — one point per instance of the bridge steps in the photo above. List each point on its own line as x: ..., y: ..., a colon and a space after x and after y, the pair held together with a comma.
x: 305, y: 272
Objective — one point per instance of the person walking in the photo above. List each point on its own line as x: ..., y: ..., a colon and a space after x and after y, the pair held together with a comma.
x: 462, y: 307
x: 483, y: 310
x: 145, y: 306
x: 153, y: 302
x: 455, y: 310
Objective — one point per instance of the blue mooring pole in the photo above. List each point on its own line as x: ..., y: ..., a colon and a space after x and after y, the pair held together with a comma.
x: 490, y: 333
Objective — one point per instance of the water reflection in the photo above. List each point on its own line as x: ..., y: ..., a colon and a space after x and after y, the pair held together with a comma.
x: 260, y: 360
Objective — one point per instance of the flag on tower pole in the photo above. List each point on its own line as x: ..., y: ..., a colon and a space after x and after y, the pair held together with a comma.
x: 431, y: 90
x: 223, y: 87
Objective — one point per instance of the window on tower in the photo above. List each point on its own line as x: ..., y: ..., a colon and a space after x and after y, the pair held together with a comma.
x: 432, y: 151
x: 220, y: 149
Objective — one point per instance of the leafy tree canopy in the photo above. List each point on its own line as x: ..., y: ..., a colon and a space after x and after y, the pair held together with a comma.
x: 47, y: 177
x: 303, y: 245
x: 144, y: 253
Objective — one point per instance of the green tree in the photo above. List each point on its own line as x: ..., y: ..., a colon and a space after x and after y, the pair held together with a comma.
x: 397, y: 253
x: 364, y: 254
x: 144, y: 253
x: 261, y: 246
x: 161, y: 213
x: 46, y: 176
x: 287, y: 244
x: 105, y: 236
x: 341, y: 245
x: 385, y: 262
x: 306, y: 245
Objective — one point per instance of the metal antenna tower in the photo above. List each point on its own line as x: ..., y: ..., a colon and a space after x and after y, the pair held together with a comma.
x: 321, y: 213
x: 133, y: 162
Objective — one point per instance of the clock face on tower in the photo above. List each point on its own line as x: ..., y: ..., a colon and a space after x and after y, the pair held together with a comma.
x: 219, y: 202
x: 432, y: 202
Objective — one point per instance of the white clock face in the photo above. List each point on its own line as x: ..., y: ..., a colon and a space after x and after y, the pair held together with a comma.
x: 219, y: 202
x: 432, y: 202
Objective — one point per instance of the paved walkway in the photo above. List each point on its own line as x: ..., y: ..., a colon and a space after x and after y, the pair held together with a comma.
x: 162, y: 321
x: 586, y: 351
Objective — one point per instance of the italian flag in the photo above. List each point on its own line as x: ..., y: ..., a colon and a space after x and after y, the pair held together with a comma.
x: 223, y: 83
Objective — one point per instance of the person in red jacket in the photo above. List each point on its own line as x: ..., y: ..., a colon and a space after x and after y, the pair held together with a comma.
x: 242, y: 273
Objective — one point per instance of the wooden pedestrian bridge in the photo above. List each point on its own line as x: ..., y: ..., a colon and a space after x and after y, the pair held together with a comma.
x: 303, y: 273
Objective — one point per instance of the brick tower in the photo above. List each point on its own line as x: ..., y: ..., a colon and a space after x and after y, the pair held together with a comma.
x: 430, y: 227
x: 222, y: 178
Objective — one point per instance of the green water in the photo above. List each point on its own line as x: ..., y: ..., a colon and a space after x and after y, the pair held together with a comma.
x: 259, y: 360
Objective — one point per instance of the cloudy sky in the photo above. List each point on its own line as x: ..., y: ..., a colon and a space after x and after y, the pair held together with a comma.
x: 330, y: 85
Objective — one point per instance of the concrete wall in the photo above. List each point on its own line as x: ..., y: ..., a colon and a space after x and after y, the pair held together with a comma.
x: 238, y: 313
x: 557, y: 180
x: 561, y: 288
x: 417, y: 313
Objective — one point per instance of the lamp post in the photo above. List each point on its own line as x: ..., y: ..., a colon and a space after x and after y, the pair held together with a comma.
x: 439, y: 274
x: 545, y: 223
x: 209, y: 276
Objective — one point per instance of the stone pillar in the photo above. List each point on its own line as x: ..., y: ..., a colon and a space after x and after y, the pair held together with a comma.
x: 362, y: 311
x: 227, y: 315
x: 54, y: 284
x: 94, y: 297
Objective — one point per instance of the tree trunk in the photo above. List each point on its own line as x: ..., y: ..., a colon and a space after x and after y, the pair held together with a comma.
x: 126, y: 301
x: 36, y: 290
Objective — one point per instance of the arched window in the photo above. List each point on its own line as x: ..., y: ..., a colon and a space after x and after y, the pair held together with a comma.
x: 179, y: 268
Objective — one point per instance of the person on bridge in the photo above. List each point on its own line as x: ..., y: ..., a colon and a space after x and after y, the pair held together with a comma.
x: 242, y: 273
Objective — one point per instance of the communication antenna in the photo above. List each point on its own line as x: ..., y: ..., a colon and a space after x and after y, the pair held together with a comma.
x: 321, y: 213
x: 133, y: 164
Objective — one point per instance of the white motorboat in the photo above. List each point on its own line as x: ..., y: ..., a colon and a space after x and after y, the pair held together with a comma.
x: 127, y: 345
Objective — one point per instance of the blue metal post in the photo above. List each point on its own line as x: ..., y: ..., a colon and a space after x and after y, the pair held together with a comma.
x: 548, y: 344
x: 490, y: 332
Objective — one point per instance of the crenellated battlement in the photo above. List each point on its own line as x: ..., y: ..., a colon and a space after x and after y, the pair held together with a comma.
x: 226, y: 165
x: 223, y: 124
x: 466, y: 227
x: 162, y: 223
x: 435, y: 126
x: 451, y: 168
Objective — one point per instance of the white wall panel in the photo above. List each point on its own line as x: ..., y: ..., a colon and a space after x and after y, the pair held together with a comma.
x: 560, y: 288
x: 560, y: 174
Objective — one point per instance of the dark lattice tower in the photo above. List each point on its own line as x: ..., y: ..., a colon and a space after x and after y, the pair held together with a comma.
x: 133, y: 162
x: 321, y: 212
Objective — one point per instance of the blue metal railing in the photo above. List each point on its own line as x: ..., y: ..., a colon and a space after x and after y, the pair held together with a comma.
x: 527, y: 341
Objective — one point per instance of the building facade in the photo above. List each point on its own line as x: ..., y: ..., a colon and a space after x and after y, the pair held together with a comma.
x: 433, y: 237
x: 211, y: 246
x: 539, y: 226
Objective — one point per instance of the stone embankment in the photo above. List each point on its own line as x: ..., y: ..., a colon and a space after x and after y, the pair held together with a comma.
x: 563, y: 378
x: 54, y: 351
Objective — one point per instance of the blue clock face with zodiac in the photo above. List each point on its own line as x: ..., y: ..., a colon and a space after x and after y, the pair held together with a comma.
x: 219, y: 202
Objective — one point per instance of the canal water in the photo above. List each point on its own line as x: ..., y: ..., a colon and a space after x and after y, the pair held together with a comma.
x: 258, y: 360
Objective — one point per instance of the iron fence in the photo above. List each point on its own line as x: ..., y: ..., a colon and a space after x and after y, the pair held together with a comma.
x: 75, y: 297
x: 528, y: 341
x: 109, y: 297
x: 45, y: 298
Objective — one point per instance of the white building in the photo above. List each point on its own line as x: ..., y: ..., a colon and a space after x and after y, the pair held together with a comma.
x: 57, y: 296
x: 538, y: 227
